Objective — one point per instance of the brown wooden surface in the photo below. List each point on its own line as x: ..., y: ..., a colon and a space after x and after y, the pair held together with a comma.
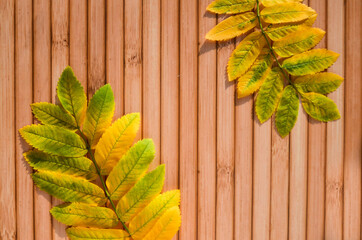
x: 238, y: 179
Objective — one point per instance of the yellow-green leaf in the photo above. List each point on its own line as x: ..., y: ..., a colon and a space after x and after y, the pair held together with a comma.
x: 287, y: 111
x: 115, y: 141
x: 69, y: 188
x: 252, y: 79
x: 310, y: 62
x: 166, y: 227
x: 232, y: 27
x: 77, y: 166
x: 298, y: 42
x: 323, y: 83
x: 54, y: 140
x: 51, y: 114
x: 320, y: 107
x: 245, y: 54
x: 71, y: 95
x: 231, y: 6
x: 286, y: 12
x: 130, y: 168
x: 81, y: 233
x: 269, y: 3
x: 276, y: 33
x: 99, y: 114
x: 141, y: 194
x: 269, y: 95
x: 85, y: 215
x: 142, y: 223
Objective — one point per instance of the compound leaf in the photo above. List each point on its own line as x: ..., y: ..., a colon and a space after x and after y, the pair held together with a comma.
x: 286, y: 12
x: 166, y: 226
x: 71, y: 95
x: 115, y: 141
x: 254, y: 77
x: 320, y: 107
x: 232, y: 27
x: 298, y: 42
x: 130, y: 168
x: 69, y: 188
x: 76, y: 166
x: 85, y: 215
x: 287, y: 111
x: 54, y: 140
x: 99, y: 114
x: 231, y: 6
x: 269, y: 95
x: 245, y: 54
x: 323, y: 83
x: 51, y: 114
x: 142, y: 223
x: 310, y: 62
x: 82, y: 233
x: 141, y: 194
x: 269, y: 3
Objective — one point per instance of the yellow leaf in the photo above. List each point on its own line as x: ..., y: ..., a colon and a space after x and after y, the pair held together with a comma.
x: 298, y: 42
x: 252, y: 79
x: 310, y: 62
x: 245, y: 54
x: 320, y: 107
x: 286, y: 12
x: 81, y: 233
x: 167, y: 226
x: 323, y: 83
x: 232, y: 27
x: 279, y: 32
x: 269, y: 3
x: 231, y: 6
x: 115, y: 141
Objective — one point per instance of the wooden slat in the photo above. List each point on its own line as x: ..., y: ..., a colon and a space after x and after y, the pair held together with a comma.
x: 114, y: 52
x: 7, y: 126
x: 225, y: 154
x: 42, y: 93
x: 279, y: 186
x: 78, y: 39
x: 23, y: 116
x: 335, y: 133
x: 188, y: 117
x: 151, y: 71
x: 60, y: 59
x: 353, y: 127
x: 206, y: 127
x: 317, y: 153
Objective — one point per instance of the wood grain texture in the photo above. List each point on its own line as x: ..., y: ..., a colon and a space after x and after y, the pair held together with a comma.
x: 206, y: 181
x: 42, y: 93
x: 23, y: 98
x: 8, y: 223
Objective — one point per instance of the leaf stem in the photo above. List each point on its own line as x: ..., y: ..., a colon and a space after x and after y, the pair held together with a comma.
x: 105, y: 189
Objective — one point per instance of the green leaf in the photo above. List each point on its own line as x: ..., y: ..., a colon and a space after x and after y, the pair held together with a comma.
x: 276, y: 33
x: 54, y: 140
x: 143, y: 222
x: 81, y: 233
x: 51, y: 114
x: 77, y: 166
x: 85, y: 215
x: 254, y: 77
x: 320, y: 107
x: 232, y: 27
x: 99, y: 114
x: 310, y: 62
x: 245, y: 55
x: 115, y: 141
x: 323, y: 83
x: 269, y: 95
x: 130, y: 168
x: 141, y: 194
x: 71, y: 95
x: 68, y: 188
x: 231, y: 6
x: 287, y: 111
x: 286, y: 12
